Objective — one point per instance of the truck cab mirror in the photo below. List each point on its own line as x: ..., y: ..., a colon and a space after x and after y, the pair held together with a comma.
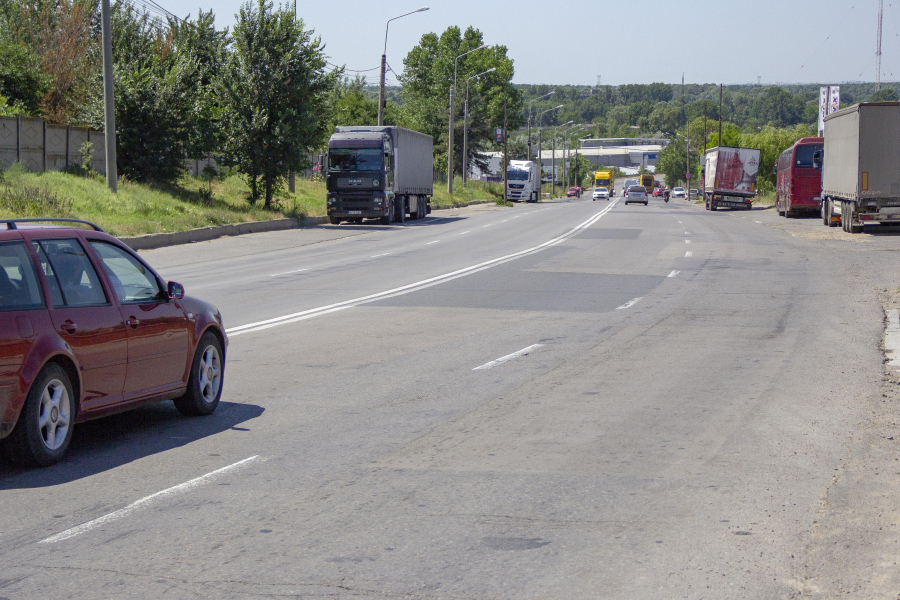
x: 817, y: 159
x: 775, y: 169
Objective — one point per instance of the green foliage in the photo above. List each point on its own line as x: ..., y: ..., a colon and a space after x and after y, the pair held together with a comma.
x: 885, y: 95
x: 350, y: 105
x: 22, y: 82
x: 427, y: 78
x: 275, y: 94
x: 772, y: 141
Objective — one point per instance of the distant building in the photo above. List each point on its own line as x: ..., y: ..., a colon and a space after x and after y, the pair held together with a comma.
x: 627, y: 154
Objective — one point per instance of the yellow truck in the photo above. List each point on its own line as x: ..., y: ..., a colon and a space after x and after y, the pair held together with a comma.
x: 605, y: 179
x: 648, y: 182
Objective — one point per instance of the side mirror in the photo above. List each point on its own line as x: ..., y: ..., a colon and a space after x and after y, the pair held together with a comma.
x: 817, y: 159
x: 775, y: 169
x: 175, y: 290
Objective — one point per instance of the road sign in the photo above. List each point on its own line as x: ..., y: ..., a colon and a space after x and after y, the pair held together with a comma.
x: 687, y: 175
x: 498, y: 134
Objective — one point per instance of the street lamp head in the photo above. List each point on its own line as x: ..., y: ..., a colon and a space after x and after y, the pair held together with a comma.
x: 423, y: 9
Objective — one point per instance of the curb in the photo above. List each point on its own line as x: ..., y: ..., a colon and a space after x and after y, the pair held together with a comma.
x: 161, y: 240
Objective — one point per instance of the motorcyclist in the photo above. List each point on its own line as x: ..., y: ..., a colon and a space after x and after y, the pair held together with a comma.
x: 666, y: 194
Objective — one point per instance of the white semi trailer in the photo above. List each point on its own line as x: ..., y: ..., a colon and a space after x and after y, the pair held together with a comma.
x: 522, y: 181
x: 861, y: 167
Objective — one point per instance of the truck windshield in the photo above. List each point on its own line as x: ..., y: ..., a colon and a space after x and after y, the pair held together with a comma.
x: 603, y: 182
x: 517, y: 175
x: 803, y: 155
x: 355, y: 159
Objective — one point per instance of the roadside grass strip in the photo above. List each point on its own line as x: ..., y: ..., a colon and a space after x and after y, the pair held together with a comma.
x: 144, y: 502
x: 892, y: 339
x: 414, y: 287
x: 508, y: 357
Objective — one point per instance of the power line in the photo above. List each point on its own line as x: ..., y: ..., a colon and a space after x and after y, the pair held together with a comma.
x: 841, y: 23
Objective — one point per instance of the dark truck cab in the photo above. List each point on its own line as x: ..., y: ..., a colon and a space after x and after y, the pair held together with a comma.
x: 383, y: 173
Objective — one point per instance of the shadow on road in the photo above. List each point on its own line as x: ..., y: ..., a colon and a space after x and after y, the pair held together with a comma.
x: 110, y: 442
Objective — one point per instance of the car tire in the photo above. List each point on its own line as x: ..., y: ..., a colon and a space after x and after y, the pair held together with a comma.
x: 334, y: 220
x: 206, y: 380
x: 51, y: 399
x: 647, y: 203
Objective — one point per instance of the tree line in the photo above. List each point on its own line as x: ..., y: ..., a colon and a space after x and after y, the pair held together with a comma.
x: 259, y: 97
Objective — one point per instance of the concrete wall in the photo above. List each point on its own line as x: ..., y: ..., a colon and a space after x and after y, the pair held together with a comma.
x: 40, y: 146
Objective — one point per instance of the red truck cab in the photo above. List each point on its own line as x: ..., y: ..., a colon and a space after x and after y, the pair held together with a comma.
x: 799, y: 184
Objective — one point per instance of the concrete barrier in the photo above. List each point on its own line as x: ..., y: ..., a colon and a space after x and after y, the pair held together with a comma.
x: 161, y: 240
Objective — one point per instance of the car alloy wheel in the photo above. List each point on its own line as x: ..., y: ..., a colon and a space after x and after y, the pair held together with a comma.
x: 54, y: 417
x: 205, y: 382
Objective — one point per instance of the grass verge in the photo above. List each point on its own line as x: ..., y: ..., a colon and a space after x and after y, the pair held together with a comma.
x: 142, y: 208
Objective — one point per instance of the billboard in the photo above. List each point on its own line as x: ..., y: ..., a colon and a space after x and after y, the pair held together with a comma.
x: 733, y: 169
x: 829, y: 102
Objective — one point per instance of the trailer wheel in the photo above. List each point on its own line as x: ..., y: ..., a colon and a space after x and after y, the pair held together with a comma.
x: 334, y: 220
x: 712, y: 205
x: 829, y: 214
x: 400, y: 209
x: 389, y: 217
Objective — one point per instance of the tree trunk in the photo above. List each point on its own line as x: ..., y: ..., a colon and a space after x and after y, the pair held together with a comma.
x: 269, y: 189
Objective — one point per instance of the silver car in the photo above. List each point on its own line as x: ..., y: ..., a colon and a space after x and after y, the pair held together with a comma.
x: 636, y: 193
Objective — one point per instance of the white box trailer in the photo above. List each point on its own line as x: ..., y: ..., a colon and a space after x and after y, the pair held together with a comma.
x: 729, y: 177
x: 861, y: 166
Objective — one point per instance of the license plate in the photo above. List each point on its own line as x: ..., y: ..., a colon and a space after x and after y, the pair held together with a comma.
x: 354, y: 212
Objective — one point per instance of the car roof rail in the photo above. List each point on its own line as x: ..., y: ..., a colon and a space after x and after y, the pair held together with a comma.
x: 11, y: 223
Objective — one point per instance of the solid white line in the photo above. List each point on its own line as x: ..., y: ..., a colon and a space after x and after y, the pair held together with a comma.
x: 122, y: 512
x: 687, y: 241
x: 892, y: 338
x: 688, y: 254
x: 503, y: 359
x: 289, y: 272
x: 673, y: 274
x: 630, y: 303
x: 434, y: 242
x: 378, y: 255
x: 419, y: 285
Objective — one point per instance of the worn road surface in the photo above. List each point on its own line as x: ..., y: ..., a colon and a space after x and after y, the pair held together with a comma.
x: 564, y: 400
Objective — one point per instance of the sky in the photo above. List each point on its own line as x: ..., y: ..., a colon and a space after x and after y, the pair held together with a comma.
x: 618, y: 41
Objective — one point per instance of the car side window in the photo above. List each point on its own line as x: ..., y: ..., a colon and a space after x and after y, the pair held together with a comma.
x: 70, y: 274
x: 19, y: 287
x: 132, y: 281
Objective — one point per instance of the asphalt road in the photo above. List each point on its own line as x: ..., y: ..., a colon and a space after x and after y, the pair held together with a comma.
x: 562, y: 400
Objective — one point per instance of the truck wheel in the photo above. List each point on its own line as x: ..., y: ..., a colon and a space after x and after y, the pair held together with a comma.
x: 388, y: 218
x: 829, y: 214
x: 712, y: 204
x: 400, y: 210
x: 334, y: 220
x: 844, y: 220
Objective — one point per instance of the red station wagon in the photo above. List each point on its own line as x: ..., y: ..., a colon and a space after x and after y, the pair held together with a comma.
x: 88, y: 329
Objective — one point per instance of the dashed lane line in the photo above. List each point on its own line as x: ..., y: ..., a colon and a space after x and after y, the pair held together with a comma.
x: 144, y: 502
x: 673, y: 274
x: 508, y: 357
x: 630, y: 303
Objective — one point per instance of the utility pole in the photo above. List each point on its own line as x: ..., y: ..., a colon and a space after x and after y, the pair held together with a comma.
x: 553, y: 169
x: 505, y: 148
x: 109, y: 109
x: 878, y: 51
x: 720, y: 114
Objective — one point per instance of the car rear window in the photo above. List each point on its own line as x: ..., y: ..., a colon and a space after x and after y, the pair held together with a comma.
x: 19, y: 287
x: 70, y: 274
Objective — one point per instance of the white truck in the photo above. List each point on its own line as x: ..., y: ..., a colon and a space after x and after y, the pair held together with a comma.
x: 861, y: 167
x: 729, y: 177
x: 522, y: 181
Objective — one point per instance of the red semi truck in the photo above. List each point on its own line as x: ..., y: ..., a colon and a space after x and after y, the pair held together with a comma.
x: 730, y: 177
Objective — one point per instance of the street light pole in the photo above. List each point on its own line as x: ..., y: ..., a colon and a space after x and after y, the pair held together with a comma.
x: 530, y: 155
x: 566, y: 152
x: 109, y: 111
x: 540, y: 161
x: 383, y: 61
x: 450, y: 136
x: 465, y: 169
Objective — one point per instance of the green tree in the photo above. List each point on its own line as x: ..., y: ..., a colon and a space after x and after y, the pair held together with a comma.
x: 884, y: 95
x: 426, y: 81
x: 22, y: 81
x: 772, y: 141
x: 275, y: 92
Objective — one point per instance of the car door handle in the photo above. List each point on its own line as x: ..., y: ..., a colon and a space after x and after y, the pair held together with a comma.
x: 133, y: 322
x: 69, y: 327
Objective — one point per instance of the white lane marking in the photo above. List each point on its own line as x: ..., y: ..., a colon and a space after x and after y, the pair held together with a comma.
x: 679, y: 221
x: 288, y: 272
x: 434, y: 242
x: 419, y: 285
x: 378, y: 255
x: 673, y: 274
x: 688, y: 254
x: 465, y: 232
x: 687, y: 233
x: 687, y: 241
x: 504, y: 220
x: 760, y: 222
x: 508, y: 357
x: 892, y: 338
x: 630, y: 303
x: 488, y: 225
x: 123, y: 512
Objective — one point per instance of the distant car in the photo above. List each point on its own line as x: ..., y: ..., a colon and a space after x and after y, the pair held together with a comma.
x: 637, y: 194
x: 695, y: 193
x: 572, y: 192
x: 601, y: 193
x: 678, y: 192
x: 659, y: 192
x: 88, y: 329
